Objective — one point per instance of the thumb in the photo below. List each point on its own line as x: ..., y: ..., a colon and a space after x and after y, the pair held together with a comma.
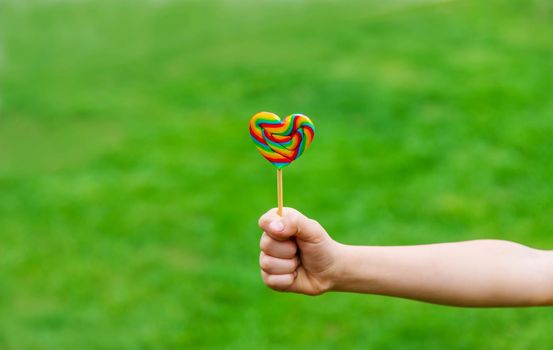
x: 292, y: 223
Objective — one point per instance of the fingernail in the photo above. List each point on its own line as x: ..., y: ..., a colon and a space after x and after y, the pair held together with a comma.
x: 276, y: 226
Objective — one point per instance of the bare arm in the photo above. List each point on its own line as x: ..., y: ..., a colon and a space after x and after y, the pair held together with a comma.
x: 297, y: 255
x: 473, y: 273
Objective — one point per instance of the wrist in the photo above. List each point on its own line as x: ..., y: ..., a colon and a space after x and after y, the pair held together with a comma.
x: 355, y: 269
x: 342, y: 267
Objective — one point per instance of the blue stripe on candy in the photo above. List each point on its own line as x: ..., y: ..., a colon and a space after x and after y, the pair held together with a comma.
x: 262, y: 145
x: 265, y: 121
x: 302, y: 143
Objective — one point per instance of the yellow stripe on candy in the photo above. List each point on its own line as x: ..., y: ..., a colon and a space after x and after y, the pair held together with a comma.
x: 281, y: 141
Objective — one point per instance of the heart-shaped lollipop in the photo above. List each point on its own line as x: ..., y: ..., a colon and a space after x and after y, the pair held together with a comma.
x: 281, y: 141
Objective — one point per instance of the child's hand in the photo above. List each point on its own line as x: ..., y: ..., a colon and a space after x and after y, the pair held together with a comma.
x: 297, y: 255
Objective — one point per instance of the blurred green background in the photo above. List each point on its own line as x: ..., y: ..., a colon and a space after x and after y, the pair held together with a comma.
x: 130, y: 189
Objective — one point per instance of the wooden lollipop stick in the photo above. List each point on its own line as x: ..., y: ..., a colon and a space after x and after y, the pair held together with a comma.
x: 279, y: 191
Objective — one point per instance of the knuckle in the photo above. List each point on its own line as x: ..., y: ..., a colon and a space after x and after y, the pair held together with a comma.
x: 279, y: 282
x: 264, y: 276
x: 312, y: 224
x: 293, y: 217
x: 266, y: 279
x: 292, y: 211
x: 272, y: 282
x: 264, y: 262
x: 297, y: 222
x: 264, y: 242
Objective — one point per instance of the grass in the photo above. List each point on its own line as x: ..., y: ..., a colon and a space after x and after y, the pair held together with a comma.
x: 130, y: 190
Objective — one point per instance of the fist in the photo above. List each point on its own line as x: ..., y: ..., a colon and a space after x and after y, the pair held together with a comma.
x: 297, y: 254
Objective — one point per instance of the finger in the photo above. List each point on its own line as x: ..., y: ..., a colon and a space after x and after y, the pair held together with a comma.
x: 292, y: 223
x: 277, y: 266
x: 278, y: 282
x: 278, y: 249
x: 271, y: 223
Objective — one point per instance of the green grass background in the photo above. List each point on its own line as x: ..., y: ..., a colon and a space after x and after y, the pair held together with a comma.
x: 130, y: 189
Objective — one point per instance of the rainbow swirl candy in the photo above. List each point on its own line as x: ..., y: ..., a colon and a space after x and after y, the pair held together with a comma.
x: 281, y: 141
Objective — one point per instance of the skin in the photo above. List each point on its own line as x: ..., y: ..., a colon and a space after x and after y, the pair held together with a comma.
x: 298, y: 255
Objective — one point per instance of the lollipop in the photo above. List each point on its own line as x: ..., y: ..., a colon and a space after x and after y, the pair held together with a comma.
x: 281, y: 141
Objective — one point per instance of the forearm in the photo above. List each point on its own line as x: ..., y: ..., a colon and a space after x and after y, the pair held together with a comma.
x: 473, y: 273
